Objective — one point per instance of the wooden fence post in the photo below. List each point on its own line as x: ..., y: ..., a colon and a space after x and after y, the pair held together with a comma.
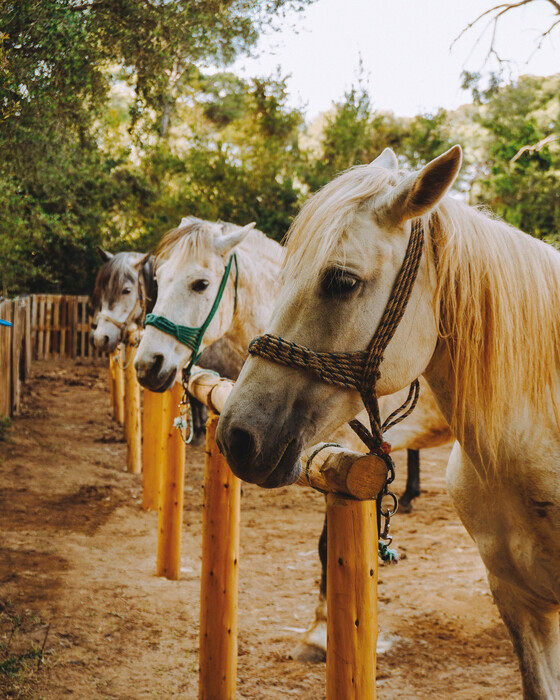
x: 112, y: 385
x: 28, y: 337
x: 220, y: 574
x: 351, y: 598
x: 171, y: 498
x: 352, y: 482
x: 132, y: 416
x: 6, y: 332
x: 118, y: 407
x: 153, y: 449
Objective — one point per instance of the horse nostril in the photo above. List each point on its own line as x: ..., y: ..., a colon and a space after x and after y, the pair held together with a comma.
x: 105, y: 341
x: 241, y: 444
x: 157, y: 364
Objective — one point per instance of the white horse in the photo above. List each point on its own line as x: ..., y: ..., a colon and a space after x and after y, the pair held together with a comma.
x: 189, y: 266
x: 482, y: 325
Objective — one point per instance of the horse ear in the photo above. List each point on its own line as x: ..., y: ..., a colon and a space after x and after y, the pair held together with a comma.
x: 143, y: 260
x: 104, y: 254
x: 223, y: 245
x: 387, y: 160
x: 420, y: 192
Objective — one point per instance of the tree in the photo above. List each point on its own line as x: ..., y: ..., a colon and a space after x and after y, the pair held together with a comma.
x: 235, y: 158
x: 495, y: 14
x: 61, y: 181
x: 347, y: 138
x: 521, y: 181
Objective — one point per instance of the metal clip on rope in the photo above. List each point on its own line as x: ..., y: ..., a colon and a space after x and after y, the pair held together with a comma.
x: 184, y: 421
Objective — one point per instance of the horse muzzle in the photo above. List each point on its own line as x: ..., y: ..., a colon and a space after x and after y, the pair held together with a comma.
x: 269, y: 464
x: 152, y: 372
x: 104, y: 341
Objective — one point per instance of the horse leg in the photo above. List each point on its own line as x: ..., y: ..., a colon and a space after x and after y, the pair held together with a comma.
x: 314, y: 646
x: 513, y: 575
x: 535, y: 633
x: 199, y: 414
x: 412, y: 490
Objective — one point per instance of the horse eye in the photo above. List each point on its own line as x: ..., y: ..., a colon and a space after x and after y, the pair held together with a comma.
x: 338, y: 283
x: 199, y: 285
x: 126, y: 291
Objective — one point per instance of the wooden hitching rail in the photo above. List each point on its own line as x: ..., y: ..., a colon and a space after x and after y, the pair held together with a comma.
x: 351, y: 561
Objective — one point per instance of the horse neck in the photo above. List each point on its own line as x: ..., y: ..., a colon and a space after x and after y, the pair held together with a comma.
x: 257, y: 291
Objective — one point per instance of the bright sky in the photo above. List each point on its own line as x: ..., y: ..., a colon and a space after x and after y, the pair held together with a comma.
x: 404, y: 46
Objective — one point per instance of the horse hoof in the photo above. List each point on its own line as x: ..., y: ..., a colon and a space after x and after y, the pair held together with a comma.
x: 405, y: 506
x: 311, y: 654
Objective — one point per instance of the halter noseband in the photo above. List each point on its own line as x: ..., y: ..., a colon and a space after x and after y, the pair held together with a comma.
x: 189, y: 335
x: 359, y: 370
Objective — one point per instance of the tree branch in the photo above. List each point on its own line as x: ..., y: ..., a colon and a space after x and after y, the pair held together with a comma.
x: 534, y: 147
x: 496, y: 13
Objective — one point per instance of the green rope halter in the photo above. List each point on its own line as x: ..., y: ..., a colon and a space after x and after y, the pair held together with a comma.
x: 192, y: 336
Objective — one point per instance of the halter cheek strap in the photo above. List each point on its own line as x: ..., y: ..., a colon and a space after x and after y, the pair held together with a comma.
x: 189, y: 335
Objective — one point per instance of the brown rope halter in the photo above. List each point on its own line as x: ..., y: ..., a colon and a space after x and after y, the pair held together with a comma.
x: 359, y: 370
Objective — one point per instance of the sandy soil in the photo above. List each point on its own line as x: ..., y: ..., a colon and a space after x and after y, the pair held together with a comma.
x: 83, y: 615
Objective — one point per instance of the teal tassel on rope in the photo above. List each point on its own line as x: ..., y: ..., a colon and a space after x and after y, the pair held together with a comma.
x: 389, y: 556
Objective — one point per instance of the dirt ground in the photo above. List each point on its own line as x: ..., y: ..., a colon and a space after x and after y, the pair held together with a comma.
x: 83, y: 615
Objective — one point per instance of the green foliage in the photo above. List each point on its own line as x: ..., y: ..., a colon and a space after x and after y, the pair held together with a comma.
x: 425, y: 137
x: 114, y: 124
x: 347, y: 140
x: 354, y: 134
x: 68, y: 177
x: 239, y: 165
x: 521, y: 181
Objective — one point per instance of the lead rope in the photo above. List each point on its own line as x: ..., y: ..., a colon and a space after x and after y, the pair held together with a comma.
x: 360, y: 370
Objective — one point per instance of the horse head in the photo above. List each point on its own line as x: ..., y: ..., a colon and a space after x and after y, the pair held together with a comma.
x: 196, y: 274
x: 120, y: 297
x: 345, y: 251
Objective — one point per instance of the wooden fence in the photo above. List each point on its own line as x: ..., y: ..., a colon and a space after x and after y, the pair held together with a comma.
x: 44, y: 326
x: 60, y: 326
